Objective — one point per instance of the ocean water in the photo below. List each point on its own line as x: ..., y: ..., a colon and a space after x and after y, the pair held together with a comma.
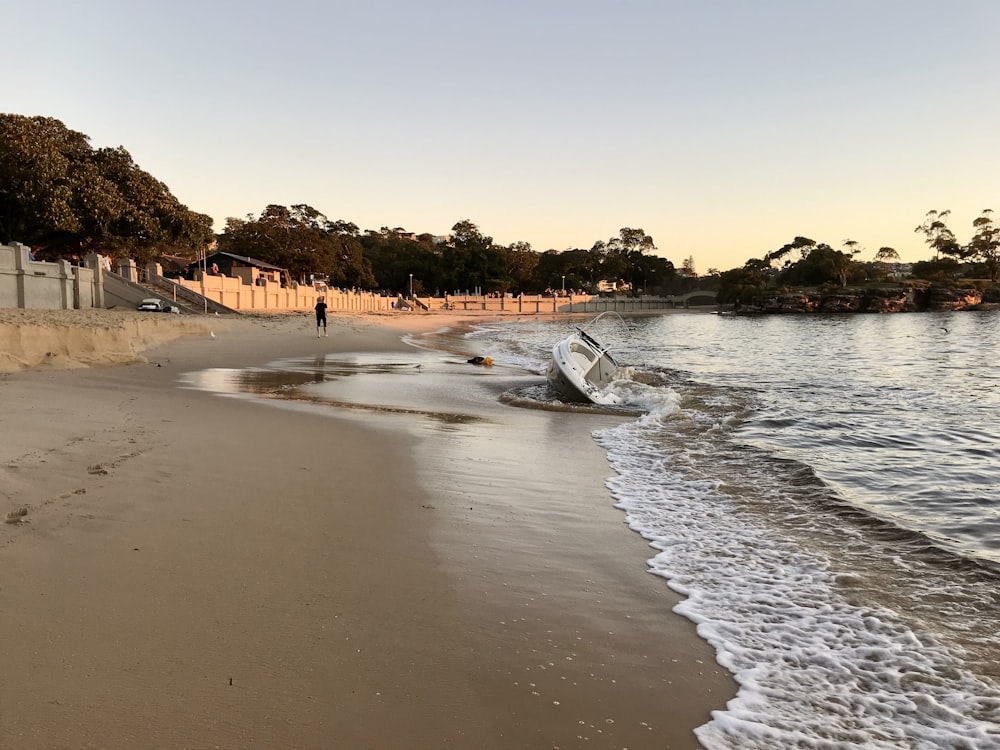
x: 825, y: 494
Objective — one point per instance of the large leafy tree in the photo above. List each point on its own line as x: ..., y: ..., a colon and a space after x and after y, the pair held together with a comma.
x: 552, y: 266
x: 985, y: 244
x: 937, y: 234
x: 803, y: 245
x: 580, y: 268
x: 884, y: 258
x: 625, y: 257
x: 519, y: 264
x: 65, y: 198
x: 818, y: 263
x: 42, y: 176
x: 471, y: 259
x: 823, y: 264
x: 651, y: 274
x: 303, y: 241
x: 628, y: 257
x: 394, y: 256
x: 351, y: 268
x: 742, y: 286
x: 887, y: 255
x: 621, y: 255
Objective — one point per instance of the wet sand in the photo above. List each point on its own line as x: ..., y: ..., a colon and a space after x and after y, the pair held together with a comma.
x: 201, y: 571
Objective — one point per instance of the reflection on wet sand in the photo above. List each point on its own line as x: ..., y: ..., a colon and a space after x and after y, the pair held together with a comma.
x: 427, y: 378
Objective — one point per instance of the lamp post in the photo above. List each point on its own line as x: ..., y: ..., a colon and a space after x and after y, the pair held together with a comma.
x: 411, y: 286
x: 564, y: 283
x: 204, y: 272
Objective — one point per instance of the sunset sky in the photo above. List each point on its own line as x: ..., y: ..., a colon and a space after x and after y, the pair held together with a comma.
x: 724, y: 128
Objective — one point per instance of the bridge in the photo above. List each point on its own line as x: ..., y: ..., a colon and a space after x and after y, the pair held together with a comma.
x: 684, y: 299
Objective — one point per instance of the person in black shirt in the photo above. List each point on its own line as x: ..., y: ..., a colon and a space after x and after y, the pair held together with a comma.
x: 320, y: 317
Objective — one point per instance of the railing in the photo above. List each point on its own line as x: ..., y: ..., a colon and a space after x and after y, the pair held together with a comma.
x: 569, y: 303
x: 194, y: 299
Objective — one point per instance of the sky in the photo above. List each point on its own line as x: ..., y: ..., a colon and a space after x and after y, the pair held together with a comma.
x: 723, y: 128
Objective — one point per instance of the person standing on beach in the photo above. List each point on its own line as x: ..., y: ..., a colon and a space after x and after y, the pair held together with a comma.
x: 320, y: 317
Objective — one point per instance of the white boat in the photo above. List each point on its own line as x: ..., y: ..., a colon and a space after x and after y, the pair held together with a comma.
x: 581, y: 368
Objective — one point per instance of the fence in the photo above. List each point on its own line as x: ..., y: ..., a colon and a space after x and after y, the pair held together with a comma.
x: 525, y: 304
x: 32, y: 284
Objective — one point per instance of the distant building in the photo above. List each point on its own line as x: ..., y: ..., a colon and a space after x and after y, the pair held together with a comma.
x: 609, y: 286
x: 242, y: 267
x: 900, y: 270
x: 175, y: 265
x: 400, y: 233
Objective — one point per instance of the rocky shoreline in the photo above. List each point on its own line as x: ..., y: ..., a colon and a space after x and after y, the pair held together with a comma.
x: 929, y: 298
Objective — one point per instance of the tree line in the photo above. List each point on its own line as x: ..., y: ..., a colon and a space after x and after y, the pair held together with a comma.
x: 66, y: 199
x: 806, y: 263
x: 304, y: 241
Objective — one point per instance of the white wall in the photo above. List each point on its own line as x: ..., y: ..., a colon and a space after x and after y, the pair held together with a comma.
x: 32, y: 284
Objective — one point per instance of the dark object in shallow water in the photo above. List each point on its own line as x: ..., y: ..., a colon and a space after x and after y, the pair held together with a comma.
x: 481, y: 361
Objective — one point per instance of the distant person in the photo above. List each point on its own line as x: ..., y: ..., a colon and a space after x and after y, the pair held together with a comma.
x: 321, y: 317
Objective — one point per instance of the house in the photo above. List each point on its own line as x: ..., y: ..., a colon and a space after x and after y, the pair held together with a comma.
x: 608, y: 286
x: 173, y: 265
x: 249, y: 270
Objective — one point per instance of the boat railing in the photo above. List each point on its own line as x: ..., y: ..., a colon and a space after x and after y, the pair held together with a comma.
x: 617, y: 329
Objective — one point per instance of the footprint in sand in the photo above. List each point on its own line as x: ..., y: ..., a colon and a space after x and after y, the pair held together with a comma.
x: 17, y: 515
x: 96, y: 469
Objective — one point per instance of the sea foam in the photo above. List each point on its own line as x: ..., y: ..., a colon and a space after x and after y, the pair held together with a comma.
x: 815, y: 671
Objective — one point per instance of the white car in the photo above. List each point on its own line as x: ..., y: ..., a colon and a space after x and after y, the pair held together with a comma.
x: 157, y: 305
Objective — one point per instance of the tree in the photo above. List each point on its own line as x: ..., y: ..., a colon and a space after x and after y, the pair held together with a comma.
x: 471, y: 260
x: 822, y: 265
x: 883, y: 259
x: 350, y: 267
x: 552, y: 267
x: 938, y: 269
x: 520, y: 263
x: 654, y: 271
x: 886, y: 255
x: 985, y: 244
x: 39, y: 178
x: 939, y: 236
x: 803, y: 244
x: 142, y: 219
x: 853, y: 247
x: 303, y: 241
x: 741, y: 286
x: 65, y: 198
x: 841, y: 263
x: 623, y: 257
x: 393, y: 257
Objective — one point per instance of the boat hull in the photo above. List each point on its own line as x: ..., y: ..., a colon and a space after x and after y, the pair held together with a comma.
x: 565, y: 387
x: 580, y: 369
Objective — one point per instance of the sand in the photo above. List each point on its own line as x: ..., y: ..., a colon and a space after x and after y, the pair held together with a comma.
x: 199, y: 571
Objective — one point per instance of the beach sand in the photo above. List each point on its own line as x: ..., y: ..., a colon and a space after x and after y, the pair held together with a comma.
x: 202, y: 571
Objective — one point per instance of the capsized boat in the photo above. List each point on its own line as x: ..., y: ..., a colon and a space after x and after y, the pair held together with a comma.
x: 582, y: 367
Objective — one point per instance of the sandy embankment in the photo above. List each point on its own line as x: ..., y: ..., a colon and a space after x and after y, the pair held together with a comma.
x: 196, y: 571
x: 82, y: 338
